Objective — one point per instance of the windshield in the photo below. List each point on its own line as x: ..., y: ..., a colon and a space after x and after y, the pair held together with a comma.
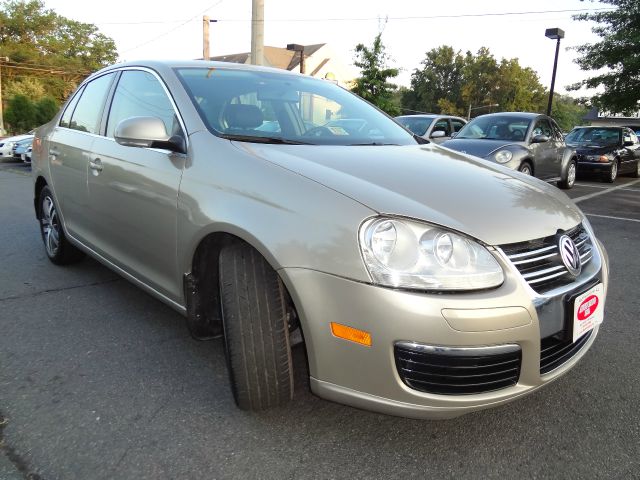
x: 594, y: 136
x: 417, y: 125
x: 496, y: 127
x: 267, y: 107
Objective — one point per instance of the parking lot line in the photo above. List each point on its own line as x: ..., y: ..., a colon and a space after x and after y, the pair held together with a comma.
x: 604, y: 187
x: 612, y: 218
x: 602, y: 192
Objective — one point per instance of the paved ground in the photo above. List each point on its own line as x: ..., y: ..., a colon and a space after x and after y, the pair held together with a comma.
x: 98, y: 381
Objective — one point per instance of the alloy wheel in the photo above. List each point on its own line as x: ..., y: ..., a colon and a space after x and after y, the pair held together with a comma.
x: 571, y: 174
x: 50, y: 226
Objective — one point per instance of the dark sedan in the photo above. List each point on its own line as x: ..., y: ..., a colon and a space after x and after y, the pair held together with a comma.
x: 607, y: 151
x: 528, y: 142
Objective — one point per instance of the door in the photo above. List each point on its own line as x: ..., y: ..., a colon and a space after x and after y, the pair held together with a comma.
x: 69, y: 147
x: 545, y: 153
x: 133, y: 191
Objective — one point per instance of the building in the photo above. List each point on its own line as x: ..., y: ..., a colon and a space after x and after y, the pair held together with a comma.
x: 606, y: 119
x: 320, y: 62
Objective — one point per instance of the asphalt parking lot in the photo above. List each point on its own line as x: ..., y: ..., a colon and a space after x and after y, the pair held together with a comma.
x: 98, y: 381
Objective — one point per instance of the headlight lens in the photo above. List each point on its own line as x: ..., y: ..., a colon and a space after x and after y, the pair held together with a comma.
x: 407, y: 254
x: 503, y: 156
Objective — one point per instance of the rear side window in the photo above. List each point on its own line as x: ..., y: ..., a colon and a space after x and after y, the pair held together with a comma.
x: 86, y: 115
x: 66, y: 116
x: 140, y: 94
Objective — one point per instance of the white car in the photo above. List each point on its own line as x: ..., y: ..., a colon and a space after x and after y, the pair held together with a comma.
x: 6, y: 144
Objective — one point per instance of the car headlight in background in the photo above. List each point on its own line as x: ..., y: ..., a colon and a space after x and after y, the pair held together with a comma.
x: 503, y: 156
x: 408, y: 254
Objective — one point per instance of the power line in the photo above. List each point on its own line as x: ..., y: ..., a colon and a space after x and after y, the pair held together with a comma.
x: 423, y: 17
x: 175, y: 28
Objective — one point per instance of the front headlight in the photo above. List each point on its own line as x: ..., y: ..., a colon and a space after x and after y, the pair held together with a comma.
x: 503, y: 156
x: 407, y: 254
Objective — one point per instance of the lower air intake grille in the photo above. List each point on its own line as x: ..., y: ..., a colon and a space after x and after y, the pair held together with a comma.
x: 554, y: 351
x: 457, y: 371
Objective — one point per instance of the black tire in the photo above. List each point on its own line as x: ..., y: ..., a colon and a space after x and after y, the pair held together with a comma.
x: 256, y: 333
x: 525, y: 168
x: 56, y: 245
x: 570, y: 177
x: 636, y: 173
x: 613, y: 173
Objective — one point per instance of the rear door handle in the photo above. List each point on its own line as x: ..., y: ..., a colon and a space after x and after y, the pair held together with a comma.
x: 95, y: 165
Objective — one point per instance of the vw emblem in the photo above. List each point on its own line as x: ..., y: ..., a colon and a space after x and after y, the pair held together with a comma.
x: 570, y: 255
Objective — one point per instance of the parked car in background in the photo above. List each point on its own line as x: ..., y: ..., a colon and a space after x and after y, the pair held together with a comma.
x: 432, y: 127
x: 7, y: 144
x: 20, y: 148
x: 607, y: 151
x: 427, y: 283
x: 528, y: 142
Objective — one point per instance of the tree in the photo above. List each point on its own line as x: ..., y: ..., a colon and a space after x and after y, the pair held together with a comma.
x: 618, y: 52
x: 441, y: 77
x: 56, y: 53
x: 567, y: 112
x: 46, y: 109
x: 373, y: 84
x: 21, y: 114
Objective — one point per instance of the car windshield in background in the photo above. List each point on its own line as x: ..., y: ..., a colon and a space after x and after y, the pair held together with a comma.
x: 417, y: 125
x: 266, y: 107
x: 496, y: 128
x: 594, y: 136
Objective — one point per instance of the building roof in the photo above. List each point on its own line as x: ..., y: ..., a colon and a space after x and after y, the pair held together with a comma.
x: 274, y: 56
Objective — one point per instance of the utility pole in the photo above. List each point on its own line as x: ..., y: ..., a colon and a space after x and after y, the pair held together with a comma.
x: 257, y: 32
x: 2, y: 132
x: 206, y: 55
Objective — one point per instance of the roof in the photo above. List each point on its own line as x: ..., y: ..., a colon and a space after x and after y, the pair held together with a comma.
x: 528, y: 115
x: 275, y: 56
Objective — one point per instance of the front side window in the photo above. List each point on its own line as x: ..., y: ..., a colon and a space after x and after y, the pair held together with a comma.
x: 65, y: 121
x: 442, y: 125
x: 140, y: 94
x: 269, y: 107
x: 86, y: 115
x: 457, y: 124
x: 542, y: 128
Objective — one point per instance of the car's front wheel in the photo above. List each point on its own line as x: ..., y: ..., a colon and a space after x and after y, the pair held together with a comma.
x: 256, y: 331
x: 570, y: 178
x: 526, y: 169
x: 636, y: 173
x: 58, y: 248
x: 613, y: 172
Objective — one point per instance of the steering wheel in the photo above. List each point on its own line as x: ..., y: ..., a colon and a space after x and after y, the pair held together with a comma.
x: 318, y: 132
x: 517, y: 135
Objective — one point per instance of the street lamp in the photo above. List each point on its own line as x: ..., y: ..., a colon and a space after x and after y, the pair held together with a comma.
x: 478, y: 108
x: 298, y: 48
x: 553, y: 34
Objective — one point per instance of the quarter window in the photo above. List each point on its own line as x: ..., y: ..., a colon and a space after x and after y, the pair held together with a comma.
x: 140, y: 94
x: 87, y: 114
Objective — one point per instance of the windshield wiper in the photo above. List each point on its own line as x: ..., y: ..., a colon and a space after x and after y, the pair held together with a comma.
x: 255, y: 139
x: 375, y: 144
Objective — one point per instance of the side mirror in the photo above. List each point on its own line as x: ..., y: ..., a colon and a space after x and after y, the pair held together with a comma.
x: 540, y: 139
x: 147, y: 132
x: 438, y: 134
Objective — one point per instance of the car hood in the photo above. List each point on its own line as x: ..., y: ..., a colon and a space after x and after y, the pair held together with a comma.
x: 484, y: 200
x: 478, y: 147
x: 592, y: 149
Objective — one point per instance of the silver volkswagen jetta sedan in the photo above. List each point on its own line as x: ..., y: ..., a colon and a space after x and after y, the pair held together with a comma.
x: 426, y: 283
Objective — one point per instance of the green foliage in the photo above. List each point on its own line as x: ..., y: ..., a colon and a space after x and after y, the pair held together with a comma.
x: 450, y: 82
x: 567, y: 111
x: 618, y: 53
x: 21, y: 114
x: 46, y: 109
x: 373, y: 84
x: 48, y: 53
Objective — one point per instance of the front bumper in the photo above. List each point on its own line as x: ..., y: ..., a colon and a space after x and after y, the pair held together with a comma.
x: 367, y: 377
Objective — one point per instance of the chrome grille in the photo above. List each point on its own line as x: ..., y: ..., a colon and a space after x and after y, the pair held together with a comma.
x: 539, y: 261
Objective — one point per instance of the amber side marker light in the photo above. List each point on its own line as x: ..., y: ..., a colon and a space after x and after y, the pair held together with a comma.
x: 351, y: 334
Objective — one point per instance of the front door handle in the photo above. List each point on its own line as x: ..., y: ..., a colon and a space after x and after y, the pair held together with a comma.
x: 95, y: 165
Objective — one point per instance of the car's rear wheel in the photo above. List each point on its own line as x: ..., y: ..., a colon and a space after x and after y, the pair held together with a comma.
x: 58, y: 248
x: 256, y: 332
x: 570, y: 178
x: 526, y: 169
x: 613, y: 173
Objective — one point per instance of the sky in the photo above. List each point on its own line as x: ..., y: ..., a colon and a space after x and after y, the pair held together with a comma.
x: 156, y: 30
